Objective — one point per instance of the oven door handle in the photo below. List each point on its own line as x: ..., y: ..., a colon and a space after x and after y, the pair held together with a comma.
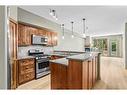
x: 42, y: 61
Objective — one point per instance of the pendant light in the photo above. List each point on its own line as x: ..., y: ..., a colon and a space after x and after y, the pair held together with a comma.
x: 72, y: 30
x: 50, y: 12
x: 63, y: 31
x: 53, y: 14
x: 84, y: 28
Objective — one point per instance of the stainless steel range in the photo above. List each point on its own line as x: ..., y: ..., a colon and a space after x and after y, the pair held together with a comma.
x: 42, y: 62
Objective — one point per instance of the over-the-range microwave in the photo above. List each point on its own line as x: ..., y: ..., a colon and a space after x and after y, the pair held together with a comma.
x: 39, y: 40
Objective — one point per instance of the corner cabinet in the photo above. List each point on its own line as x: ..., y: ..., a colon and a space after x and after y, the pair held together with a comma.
x: 25, y: 32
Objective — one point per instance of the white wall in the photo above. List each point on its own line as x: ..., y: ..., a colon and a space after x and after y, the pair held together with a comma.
x: 68, y: 43
x: 75, y: 44
x: 13, y: 12
x: 3, y: 47
x: 125, y: 46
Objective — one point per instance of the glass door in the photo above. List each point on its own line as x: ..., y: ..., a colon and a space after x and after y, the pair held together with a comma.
x: 101, y: 45
x: 114, y: 48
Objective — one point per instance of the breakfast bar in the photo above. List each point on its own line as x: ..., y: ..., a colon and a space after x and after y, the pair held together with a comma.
x: 79, y: 71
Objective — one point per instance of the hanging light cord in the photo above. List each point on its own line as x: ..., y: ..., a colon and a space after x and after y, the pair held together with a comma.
x: 84, y: 25
x: 72, y: 27
x: 63, y: 28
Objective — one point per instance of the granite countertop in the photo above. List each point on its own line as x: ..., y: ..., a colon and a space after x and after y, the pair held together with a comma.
x: 80, y: 57
x: 63, y: 55
x: 25, y: 57
x: 62, y: 61
x: 85, y: 56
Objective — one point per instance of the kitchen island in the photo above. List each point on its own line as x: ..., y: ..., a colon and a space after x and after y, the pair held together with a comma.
x: 79, y: 71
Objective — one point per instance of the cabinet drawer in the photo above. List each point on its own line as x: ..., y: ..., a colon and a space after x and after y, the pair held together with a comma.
x: 26, y: 77
x: 29, y: 76
x: 25, y: 67
x: 25, y: 62
x: 27, y: 71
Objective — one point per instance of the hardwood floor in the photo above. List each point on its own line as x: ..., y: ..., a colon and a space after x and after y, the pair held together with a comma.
x: 42, y: 83
x: 113, y: 76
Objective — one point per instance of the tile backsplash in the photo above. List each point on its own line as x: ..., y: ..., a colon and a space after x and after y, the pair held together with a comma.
x: 23, y: 51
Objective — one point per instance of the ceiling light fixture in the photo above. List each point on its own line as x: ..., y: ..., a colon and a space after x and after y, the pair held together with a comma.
x: 72, y: 30
x: 84, y: 28
x: 53, y: 14
x: 63, y: 31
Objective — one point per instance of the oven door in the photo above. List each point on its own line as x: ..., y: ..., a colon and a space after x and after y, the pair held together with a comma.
x: 42, y: 66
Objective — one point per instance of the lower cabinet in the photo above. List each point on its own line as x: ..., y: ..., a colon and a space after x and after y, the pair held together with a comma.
x: 26, y: 70
x: 58, y: 76
x: 82, y: 74
x: 90, y: 73
x: 77, y: 75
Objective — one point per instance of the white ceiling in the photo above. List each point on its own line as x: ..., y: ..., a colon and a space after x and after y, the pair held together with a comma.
x: 101, y: 20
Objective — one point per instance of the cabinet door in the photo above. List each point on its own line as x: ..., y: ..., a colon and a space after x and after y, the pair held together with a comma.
x: 23, y: 35
x: 21, y: 30
x: 48, y: 34
x: 12, y: 45
x: 32, y: 31
x: 27, y: 36
x: 74, y: 74
x: 58, y: 76
x: 94, y: 70
x: 41, y: 32
x: 90, y: 74
x: 26, y: 70
x: 54, y: 38
x: 85, y: 75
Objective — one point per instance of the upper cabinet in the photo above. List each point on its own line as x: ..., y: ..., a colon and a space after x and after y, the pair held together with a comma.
x: 49, y: 35
x: 41, y: 32
x: 32, y: 31
x: 23, y: 35
x: 54, y: 38
x: 25, y: 32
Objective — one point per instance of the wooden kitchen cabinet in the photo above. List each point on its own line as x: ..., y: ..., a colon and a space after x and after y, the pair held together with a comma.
x: 90, y: 71
x: 25, y: 32
x: 12, y: 45
x: 32, y: 31
x: 82, y: 75
x: 23, y: 35
x: 41, y: 32
x: 75, y: 74
x: 94, y: 70
x: 49, y: 36
x: 58, y: 76
x: 26, y: 70
x: 54, y: 38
